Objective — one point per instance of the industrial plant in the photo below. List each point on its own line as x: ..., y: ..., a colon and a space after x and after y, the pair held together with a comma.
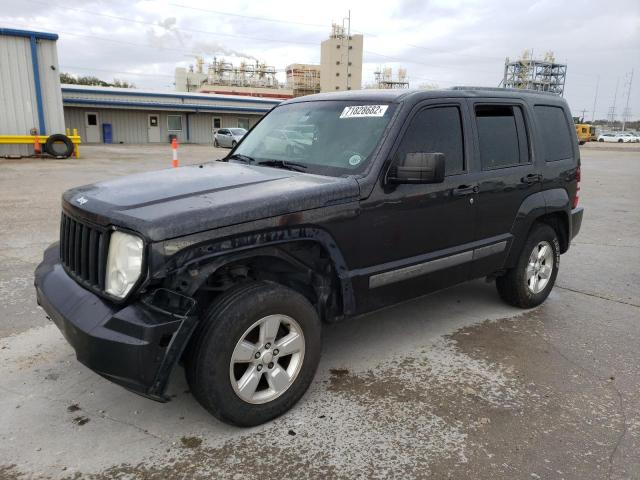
x: 340, y: 69
x: 545, y: 75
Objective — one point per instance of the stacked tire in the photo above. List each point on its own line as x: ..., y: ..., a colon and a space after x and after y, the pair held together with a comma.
x: 59, y: 146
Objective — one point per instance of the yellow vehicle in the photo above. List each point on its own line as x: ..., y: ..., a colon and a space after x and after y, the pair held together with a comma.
x: 593, y: 136
x: 583, y: 130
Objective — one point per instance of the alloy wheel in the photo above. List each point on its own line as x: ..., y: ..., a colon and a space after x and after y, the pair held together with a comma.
x: 539, y: 267
x: 267, y: 359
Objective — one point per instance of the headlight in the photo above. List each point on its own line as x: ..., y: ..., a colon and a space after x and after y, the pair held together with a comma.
x: 124, y: 263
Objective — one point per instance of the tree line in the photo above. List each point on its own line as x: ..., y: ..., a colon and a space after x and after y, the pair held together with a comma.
x: 94, y: 81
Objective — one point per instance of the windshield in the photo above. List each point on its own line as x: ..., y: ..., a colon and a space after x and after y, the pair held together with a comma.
x: 238, y: 131
x: 328, y: 137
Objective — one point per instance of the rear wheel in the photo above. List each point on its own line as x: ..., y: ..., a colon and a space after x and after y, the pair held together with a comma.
x: 601, y: 140
x: 529, y: 283
x: 255, y: 353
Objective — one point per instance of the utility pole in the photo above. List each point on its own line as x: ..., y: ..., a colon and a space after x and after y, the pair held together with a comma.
x: 626, y: 114
x: 612, y: 108
x: 595, y: 98
x: 582, y: 117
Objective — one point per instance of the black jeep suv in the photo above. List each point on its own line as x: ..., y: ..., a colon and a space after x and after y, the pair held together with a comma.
x: 332, y: 206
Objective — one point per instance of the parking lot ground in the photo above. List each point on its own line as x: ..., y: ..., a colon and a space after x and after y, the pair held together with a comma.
x: 451, y: 385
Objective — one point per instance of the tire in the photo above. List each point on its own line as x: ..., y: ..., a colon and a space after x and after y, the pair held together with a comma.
x: 581, y: 143
x: 601, y: 140
x: 515, y: 288
x: 214, y: 378
x: 620, y: 141
x: 54, y: 142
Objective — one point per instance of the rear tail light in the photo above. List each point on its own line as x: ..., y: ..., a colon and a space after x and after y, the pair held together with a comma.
x: 576, y: 198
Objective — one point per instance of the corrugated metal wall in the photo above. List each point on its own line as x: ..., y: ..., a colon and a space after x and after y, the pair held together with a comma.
x: 130, y: 125
x: 18, y: 104
x: 50, y: 85
x: 17, y: 92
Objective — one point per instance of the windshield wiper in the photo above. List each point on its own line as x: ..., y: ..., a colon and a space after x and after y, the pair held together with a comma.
x: 296, y: 167
x: 242, y: 158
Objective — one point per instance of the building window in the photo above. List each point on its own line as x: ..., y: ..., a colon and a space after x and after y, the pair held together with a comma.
x: 243, y: 123
x: 174, y: 123
x: 337, y: 74
x: 217, y: 123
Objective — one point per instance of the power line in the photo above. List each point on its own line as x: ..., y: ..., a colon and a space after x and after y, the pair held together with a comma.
x: 184, y: 29
x: 124, y: 42
x: 626, y: 113
x: 175, y: 29
x: 250, y: 17
x: 261, y: 39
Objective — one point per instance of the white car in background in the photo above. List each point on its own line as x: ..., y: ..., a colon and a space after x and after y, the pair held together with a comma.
x: 613, y: 137
x: 228, y: 137
x: 633, y: 137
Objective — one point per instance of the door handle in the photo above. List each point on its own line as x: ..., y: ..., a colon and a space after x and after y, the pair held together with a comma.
x: 463, y: 190
x: 531, y: 178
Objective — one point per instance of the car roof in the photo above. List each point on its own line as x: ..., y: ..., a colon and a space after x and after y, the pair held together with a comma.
x: 399, y: 95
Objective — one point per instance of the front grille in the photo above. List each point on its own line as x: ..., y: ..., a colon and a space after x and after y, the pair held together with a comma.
x: 83, y: 251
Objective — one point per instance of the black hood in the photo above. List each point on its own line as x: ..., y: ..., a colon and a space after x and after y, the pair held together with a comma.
x: 180, y: 201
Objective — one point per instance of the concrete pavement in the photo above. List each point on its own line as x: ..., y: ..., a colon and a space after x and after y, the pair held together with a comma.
x: 452, y: 385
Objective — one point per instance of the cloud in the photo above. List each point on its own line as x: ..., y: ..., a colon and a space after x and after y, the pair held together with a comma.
x: 438, y: 41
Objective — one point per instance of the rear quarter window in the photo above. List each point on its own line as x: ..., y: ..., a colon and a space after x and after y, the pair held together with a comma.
x: 554, y: 131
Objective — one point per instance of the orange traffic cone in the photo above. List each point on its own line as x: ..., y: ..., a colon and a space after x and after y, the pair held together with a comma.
x: 174, y: 145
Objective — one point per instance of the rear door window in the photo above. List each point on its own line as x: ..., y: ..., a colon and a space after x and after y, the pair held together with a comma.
x: 502, y: 136
x: 554, y: 130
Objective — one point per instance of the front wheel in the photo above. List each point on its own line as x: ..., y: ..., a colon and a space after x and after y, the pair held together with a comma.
x: 529, y: 283
x: 255, y: 353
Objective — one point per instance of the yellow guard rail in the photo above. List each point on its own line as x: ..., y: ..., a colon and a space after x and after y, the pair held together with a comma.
x: 41, y: 139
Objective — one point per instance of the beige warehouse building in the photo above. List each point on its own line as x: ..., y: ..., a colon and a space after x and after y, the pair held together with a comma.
x: 341, y: 61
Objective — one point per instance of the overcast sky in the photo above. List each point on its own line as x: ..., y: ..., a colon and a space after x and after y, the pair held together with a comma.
x: 443, y: 42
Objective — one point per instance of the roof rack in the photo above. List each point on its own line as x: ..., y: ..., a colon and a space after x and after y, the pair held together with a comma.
x: 500, y: 89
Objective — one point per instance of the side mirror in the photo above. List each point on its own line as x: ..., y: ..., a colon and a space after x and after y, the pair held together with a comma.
x: 419, y: 167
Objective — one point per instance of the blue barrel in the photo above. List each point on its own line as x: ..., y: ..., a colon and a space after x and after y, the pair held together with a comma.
x: 107, y: 133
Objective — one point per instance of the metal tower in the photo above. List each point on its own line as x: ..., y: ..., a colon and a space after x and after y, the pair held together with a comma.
x: 544, y: 75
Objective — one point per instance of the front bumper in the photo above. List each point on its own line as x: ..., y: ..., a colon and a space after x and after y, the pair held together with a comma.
x: 135, y: 346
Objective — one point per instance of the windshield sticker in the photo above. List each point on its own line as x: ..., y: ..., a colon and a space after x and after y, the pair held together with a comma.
x: 358, y: 111
x: 355, y: 160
